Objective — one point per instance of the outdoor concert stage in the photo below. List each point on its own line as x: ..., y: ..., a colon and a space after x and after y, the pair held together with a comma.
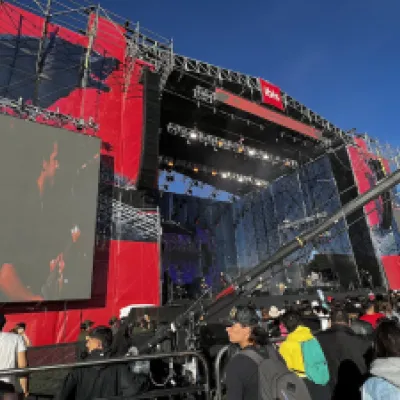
x: 286, y: 169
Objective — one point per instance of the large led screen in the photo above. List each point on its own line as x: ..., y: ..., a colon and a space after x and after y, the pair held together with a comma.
x: 48, y: 196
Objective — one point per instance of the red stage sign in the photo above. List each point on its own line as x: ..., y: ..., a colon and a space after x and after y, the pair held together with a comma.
x: 271, y: 94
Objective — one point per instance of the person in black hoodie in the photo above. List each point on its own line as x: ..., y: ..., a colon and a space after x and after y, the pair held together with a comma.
x: 242, y: 380
x: 86, y: 383
x: 346, y: 355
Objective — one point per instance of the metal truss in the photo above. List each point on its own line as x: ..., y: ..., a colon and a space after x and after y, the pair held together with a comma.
x: 195, y: 135
x: 41, y: 115
x: 128, y: 219
x: 212, y: 71
x: 252, y: 83
x: 158, y: 53
x: 170, y: 163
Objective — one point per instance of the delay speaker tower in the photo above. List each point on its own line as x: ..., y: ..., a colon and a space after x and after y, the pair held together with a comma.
x: 148, y: 167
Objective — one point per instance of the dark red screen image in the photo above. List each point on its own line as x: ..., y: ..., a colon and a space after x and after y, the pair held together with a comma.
x: 49, y: 185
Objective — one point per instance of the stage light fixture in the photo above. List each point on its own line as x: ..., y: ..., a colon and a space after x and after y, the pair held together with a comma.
x: 203, y: 94
x: 183, y: 166
x: 224, y: 144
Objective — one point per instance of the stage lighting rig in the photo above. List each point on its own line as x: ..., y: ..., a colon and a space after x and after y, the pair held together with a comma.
x: 166, y: 162
x: 194, y: 134
x: 18, y: 108
x: 203, y: 94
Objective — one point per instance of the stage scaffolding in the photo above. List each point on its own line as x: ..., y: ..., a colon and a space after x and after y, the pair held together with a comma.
x: 82, y: 18
x: 148, y: 46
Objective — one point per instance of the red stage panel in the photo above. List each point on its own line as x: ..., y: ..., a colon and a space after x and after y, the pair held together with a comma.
x: 252, y: 108
x: 363, y: 178
x: 391, y: 265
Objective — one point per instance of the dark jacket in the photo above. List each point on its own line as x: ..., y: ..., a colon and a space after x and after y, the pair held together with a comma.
x: 80, y: 346
x: 346, y: 355
x: 87, y: 383
x: 242, y: 376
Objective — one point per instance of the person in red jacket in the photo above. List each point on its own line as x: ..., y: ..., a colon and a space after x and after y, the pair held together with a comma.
x: 371, y: 315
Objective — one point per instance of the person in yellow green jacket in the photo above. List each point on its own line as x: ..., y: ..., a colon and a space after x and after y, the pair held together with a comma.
x: 290, y: 349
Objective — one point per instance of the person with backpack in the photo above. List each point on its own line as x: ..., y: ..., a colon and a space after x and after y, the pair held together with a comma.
x: 346, y: 354
x: 384, y: 380
x: 101, y: 381
x: 304, y: 356
x: 257, y: 372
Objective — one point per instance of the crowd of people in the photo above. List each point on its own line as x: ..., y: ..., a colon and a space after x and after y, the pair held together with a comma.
x: 93, y: 343
x: 330, y: 350
x: 317, y: 350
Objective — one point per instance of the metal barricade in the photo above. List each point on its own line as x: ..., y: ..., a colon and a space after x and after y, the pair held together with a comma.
x: 61, y: 353
x: 203, y: 387
x: 217, y: 371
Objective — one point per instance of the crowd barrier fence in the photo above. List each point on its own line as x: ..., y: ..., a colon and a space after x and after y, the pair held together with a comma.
x: 203, y: 387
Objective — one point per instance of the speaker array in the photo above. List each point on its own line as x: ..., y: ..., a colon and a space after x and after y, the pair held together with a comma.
x: 148, y: 168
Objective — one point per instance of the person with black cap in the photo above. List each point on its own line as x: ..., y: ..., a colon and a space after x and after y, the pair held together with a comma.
x: 346, y: 354
x: 103, y: 381
x: 114, y: 324
x: 242, y: 378
x: 12, y: 355
x: 81, y: 351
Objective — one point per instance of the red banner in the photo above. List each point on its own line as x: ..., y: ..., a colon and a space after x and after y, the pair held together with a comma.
x: 271, y: 94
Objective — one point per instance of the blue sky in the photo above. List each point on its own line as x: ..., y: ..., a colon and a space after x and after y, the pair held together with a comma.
x: 340, y: 58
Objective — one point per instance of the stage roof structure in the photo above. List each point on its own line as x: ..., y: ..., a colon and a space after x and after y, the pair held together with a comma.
x: 234, y: 131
